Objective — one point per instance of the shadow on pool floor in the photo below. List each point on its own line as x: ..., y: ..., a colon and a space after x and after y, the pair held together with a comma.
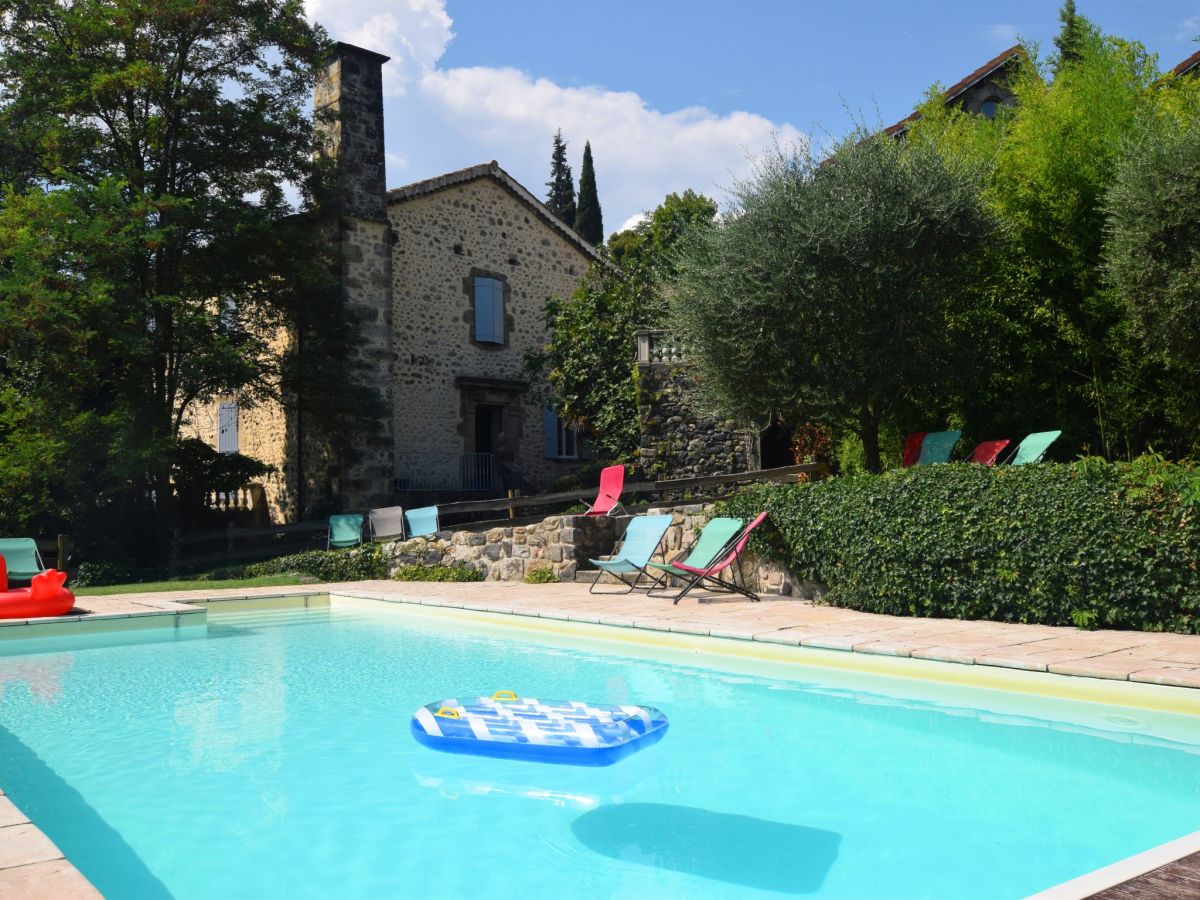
x: 77, y: 829
x: 742, y: 850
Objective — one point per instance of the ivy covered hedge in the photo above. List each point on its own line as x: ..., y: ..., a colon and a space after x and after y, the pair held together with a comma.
x: 1091, y: 544
x: 353, y: 564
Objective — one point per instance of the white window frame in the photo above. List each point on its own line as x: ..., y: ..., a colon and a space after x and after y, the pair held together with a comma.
x: 227, y: 428
x: 566, y: 440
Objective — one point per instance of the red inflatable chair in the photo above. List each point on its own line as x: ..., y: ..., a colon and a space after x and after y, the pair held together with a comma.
x: 45, y: 596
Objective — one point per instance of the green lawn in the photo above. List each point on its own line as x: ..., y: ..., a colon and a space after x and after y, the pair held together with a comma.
x: 184, y: 584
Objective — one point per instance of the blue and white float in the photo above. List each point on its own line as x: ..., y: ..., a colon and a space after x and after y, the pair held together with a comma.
x: 568, y: 732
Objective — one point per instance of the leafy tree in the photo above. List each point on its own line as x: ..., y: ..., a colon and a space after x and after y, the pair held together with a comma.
x: 826, y: 295
x: 1071, y: 38
x: 1153, y: 255
x: 148, y: 250
x: 590, y: 361
x: 588, y: 219
x: 560, y: 199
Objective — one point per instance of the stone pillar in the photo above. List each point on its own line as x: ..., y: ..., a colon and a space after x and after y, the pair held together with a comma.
x: 348, y: 107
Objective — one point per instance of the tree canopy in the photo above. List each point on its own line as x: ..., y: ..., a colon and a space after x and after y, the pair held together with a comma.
x: 560, y: 197
x: 148, y: 246
x: 589, y: 221
x: 827, y: 293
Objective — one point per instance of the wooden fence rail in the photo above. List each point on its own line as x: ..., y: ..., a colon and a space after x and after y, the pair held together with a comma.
x: 234, y: 544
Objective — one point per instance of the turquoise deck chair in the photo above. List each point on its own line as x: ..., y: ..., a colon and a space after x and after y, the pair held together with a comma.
x: 1034, y: 447
x: 22, y: 557
x: 345, y: 531
x: 937, y: 447
x: 717, y: 535
x: 633, y: 552
x: 422, y: 521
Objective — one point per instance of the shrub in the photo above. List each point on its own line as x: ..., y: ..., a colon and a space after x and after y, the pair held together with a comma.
x: 102, y: 572
x: 1089, y: 543
x: 540, y: 575
x: 351, y: 564
x: 418, y: 572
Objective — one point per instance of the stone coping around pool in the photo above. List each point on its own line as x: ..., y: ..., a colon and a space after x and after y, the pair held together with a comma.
x: 1126, y: 870
x: 1151, y: 658
x: 31, y: 866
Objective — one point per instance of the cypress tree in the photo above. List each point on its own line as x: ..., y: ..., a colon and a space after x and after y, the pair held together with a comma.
x: 561, y: 198
x: 1069, y: 40
x: 589, y: 222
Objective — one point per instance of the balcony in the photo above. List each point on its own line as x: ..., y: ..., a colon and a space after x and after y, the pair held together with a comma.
x: 427, y: 472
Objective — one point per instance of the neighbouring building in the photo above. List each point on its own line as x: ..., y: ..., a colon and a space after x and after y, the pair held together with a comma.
x: 982, y: 92
x: 446, y: 281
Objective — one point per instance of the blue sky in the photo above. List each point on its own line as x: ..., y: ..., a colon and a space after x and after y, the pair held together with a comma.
x: 676, y: 94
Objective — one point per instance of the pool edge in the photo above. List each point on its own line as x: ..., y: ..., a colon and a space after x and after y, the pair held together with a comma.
x: 1122, y: 871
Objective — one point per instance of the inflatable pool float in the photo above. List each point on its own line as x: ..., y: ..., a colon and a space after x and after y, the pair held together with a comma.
x: 568, y: 732
x: 45, y: 596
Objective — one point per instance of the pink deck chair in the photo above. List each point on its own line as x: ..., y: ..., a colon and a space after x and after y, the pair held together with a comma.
x: 912, y: 449
x: 712, y: 572
x: 608, y: 500
x: 987, y: 452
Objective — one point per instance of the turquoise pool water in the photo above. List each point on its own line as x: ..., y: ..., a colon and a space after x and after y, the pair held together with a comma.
x: 272, y: 758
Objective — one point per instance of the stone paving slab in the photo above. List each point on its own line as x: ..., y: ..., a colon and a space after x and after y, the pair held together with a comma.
x: 31, y: 866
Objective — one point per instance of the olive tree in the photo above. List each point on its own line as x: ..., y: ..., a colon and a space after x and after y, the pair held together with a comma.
x: 827, y: 292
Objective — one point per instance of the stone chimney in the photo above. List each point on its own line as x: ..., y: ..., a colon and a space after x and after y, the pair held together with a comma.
x: 348, y: 106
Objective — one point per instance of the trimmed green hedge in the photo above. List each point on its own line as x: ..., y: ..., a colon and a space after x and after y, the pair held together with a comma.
x: 456, y: 572
x: 352, y: 564
x: 1090, y: 543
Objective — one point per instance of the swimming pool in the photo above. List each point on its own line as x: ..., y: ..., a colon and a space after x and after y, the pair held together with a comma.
x: 272, y: 758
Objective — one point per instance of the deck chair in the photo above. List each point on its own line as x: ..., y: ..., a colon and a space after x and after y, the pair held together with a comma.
x: 345, y: 530
x: 608, y: 499
x: 22, y: 558
x: 1034, y: 447
x: 386, y: 522
x: 937, y: 447
x: 632, y: 553
x: 421, y: 522
x: 912, y: 449
x: 986, y: 452
x: 715, y: 538
x: 712, y: 572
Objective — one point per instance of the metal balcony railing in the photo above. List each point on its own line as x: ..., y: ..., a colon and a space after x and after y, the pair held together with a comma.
x: 446, y: 472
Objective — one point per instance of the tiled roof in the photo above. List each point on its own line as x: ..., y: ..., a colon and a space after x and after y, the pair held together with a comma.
x: 1188, y: 65
x: 988, y: 68
x: 492, y: 170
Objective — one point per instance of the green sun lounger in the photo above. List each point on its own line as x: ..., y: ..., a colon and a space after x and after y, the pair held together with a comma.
x: 632, y: 553
x: 345, y: 530
x: 1034, y: 447
x: 937, y: 447
x: 21, y: 557
x: 715, y: 537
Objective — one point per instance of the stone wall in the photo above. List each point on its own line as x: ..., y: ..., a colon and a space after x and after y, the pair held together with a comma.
x: 564, y: 544
x: 446, y: 237
x: 677, y: 439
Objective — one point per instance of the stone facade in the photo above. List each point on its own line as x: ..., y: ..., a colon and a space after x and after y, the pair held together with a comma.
x: 407, y: 260
x: 677, y: 439
x: 450, y: 231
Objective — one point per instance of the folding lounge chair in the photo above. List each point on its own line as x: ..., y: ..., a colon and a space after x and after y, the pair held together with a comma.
x: 345, y: 531
x: 714, y: 539
x: 632, y: 553
x: 421, y: 522
x: 1034, y: 447
x: 712, y: 572
x: 608, y: 500
x: 22, y: 558
x: 386, y: 522
x: 937, y: 447
x: 912, y: 449
x: 986, y: 452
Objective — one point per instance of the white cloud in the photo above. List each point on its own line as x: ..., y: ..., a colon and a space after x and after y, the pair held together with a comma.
x: 1188, y: 29
x: 1003, y: 34
x: 633, y: 221
x: 441, y: 119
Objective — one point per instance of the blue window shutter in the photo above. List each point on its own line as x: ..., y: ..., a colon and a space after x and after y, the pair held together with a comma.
x: 483, y: 310
x: 498, y: 311
x: 227, y: 428
x: 549, y: 432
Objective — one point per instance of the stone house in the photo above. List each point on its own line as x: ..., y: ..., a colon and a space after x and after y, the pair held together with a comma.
x: 981, y: 92
x: 446, y: 282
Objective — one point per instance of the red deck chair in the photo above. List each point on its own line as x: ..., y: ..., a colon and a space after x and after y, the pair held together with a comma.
x: 711, y: 573
x: 608, y: 500
x: 912, y: 449
x: 987, y: 452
